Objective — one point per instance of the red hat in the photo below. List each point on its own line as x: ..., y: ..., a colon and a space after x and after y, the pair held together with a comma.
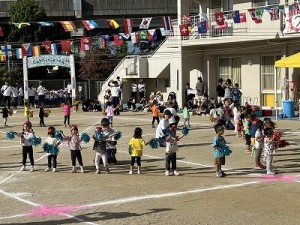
x: 74, y: 127
x: 28, y: 123
x: 51, y: 130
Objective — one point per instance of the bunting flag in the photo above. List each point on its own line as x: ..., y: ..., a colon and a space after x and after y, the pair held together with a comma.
x: 203, y: 16
x: 125, y: 36
x: 85, y: 43
x: 20, y: 53
x: 47, y: 46
x: 256, y: 15
x: 27, y: 48
x: 134, y: 37
x: 293, y: 9
x: 152, y: 36
x: 66, y: 46
x: 128, y: 24
x: 68, y: 25
x: 2, y: 56
x: 145, y: 23
x: 184, y: 30
x: 113, y: 24
x: 53, y: 49
x: 220, y: 19
x: 90, y: 24
x: 1, y: 32
x: 202, y: 28
x: 101, y: 43
x: 21, y: 25
x: 243, y: 18
x: 167, y: 23
x: 36, y: 50
x: 45, y: 24
x: 274, y: 12
x: 186, y: 19
x: 236, y: 16
x: 118, y: 40
x: 164, y: 32
x: 143, y: 35
x: 6, y: 50
x: 105, y: 37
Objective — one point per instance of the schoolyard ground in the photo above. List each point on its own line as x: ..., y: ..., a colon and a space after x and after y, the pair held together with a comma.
x: 197, y: 196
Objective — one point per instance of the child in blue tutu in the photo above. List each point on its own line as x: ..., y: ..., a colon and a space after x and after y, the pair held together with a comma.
x: 51, y: 147
x: 219, y: 156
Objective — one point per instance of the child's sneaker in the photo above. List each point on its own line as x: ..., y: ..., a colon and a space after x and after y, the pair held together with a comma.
x: 167, y: 173
x: 223, y: 173
x: 81, y: 169
x: 130, y: 172
x: 22, y: 168
x: 219, y: 174
x: 139, y: 172
x: 47, y: 169
x: 270, y: 172
x: 31, y: 169
x: 260, y: 167
x: 54, y: 170
x: 176, y: 173
x: 97, y: 172
x: 73, y: 170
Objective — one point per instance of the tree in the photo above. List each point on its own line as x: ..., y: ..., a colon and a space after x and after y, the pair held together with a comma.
x: 12, y: 75
x: 27, y: 11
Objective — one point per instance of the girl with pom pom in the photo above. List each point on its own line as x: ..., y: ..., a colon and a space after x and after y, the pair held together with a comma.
x: 25, y: 135
x: 218, y: 143
x: 100, y: 149
x: 111, y: 141
x: 51, y: 147
x: 259, y: 144
x: 269, y: 149
x: 73, y: 142
x: 171, y: 149
x: 136, y: 144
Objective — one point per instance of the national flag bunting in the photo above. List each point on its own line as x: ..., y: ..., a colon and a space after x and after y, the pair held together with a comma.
x: 145, y: 23
x: 274, y: 12
x: 47, y: 46
x: 167, y: 23
x: 27, y: 48
x: 101, y: 43
x: 20, y: 53
x: 186, y: 19
x: 128, y: 24
x: 143, y: 35
x: 152, y: 35
x: 21, y: 25
x: 134, y: 37
x: 66, y: 46
x: 118, y: 39
x: 54, y: 49
x: 90, y: 24
x: 220, y: 19
x: 2, y: 56
x: 68, y: 25
x: 36, y: 50
x: 202, y: 28
x: 113, y: 24
x: 184, y: 30
x: 85, y: 43
x: 45, y: 24
x: 6, y: 50
x: 256, y: 15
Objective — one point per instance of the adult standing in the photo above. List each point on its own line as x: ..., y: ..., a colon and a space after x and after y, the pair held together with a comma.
x: 31, y: 95
x: 6, y: 91
x: 134, y: 88
x: 141, y: 88
x: 41, y: 92
x: 228, y: 89
x: 201, y: 87
x: 15, y: 94
x: 69, y: 90
x: 220, y: 90
x: 115, y: 100
x: 120, y: 84
x: 189, y: 95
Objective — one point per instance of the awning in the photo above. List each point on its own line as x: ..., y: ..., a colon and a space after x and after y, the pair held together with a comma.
x: 292, y: 61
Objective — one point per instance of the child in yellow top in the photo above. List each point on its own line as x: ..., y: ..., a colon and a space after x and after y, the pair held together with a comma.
x: 136, y: 145
x: 26, y: 111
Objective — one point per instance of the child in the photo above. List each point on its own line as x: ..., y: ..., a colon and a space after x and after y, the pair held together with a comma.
x: 26, y: 111
x: 42, y: 115
x: 136, y: 145
x: 67, y: 113
x: 25, y: 136
x: 111, y: 143
x: 52, y: 141
x: 186, y: 115
x: 5, y: 115
x: 247, y: 129
x: 110, y: 112
x: 171, y: 149
x: 218, y: 143
x: 155, y: 115
x: 259, y: 144
x: 162, y: 126
x: 236, y: 93
x: 100, y: 149
x: 237, y: 119
x: 73, y: 142
x: 269, y: 149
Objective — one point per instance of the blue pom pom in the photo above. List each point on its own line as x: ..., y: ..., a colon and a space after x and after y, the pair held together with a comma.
x: 58, y: 135
x: 46, y: 147
x: 117, y: 135
x: 85, y: 137
x: 99, y: 136
x: 185, y: 131
x: 35, y: 141
x: 226, y: 150
x: 53, y: 150
x: 11, y: 135
x: 154, y: 143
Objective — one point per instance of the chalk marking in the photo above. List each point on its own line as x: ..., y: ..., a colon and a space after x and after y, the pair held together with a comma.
x: 6, y: 179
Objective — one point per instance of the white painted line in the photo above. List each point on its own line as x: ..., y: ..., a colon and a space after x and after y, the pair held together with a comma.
x: 7, y: 178
x: 166, y: 195
x: 18, y: 198
x: 78, y: 219
x: 11, y: 217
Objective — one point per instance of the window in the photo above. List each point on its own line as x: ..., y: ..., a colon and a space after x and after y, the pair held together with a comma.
x: 230, y: 68
x: 267, y: 72
x: 258, y: 3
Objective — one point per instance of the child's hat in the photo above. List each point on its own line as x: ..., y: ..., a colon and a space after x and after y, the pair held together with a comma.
x: 28, y: 123
x: 74, y: 127
x: 259, y: 124
x: 218, y: 127
x: 51, y: 130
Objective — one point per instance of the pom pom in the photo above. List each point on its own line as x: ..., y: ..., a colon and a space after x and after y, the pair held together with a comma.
x: 53, y: 150
x: 154, y: 143
x: 46, y: 148
x: 117, y: 135
x: 277, y: 135
x: 185, y: 131
x: 283, y: 143
x: 11, y: 135
x: 99, y: 136
x: 35, y: 141
x: 85, y: 137
x: 253, y: 152
x: 58, y: 135
x: 168, y: 132
x: 226, y: 150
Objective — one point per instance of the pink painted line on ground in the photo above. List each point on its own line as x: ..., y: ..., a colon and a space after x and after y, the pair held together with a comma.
x: 279, y: 178
x: 46, y: 210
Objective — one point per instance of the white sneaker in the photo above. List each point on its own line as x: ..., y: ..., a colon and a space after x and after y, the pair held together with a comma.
x: 130, y: 171
x: 176, y: 173
x: 31, y: 169
x: 81, y: 170
x: 47, y: 169
x: 97, y: 172
x: 167, y: 173
x: 73, y: 170
x: 270, y: 172
x: 139, y: 172
x: 22, y: 168
x: 54, y: 170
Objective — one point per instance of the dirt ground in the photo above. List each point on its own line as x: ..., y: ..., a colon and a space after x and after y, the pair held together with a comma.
x: 197, y: 196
